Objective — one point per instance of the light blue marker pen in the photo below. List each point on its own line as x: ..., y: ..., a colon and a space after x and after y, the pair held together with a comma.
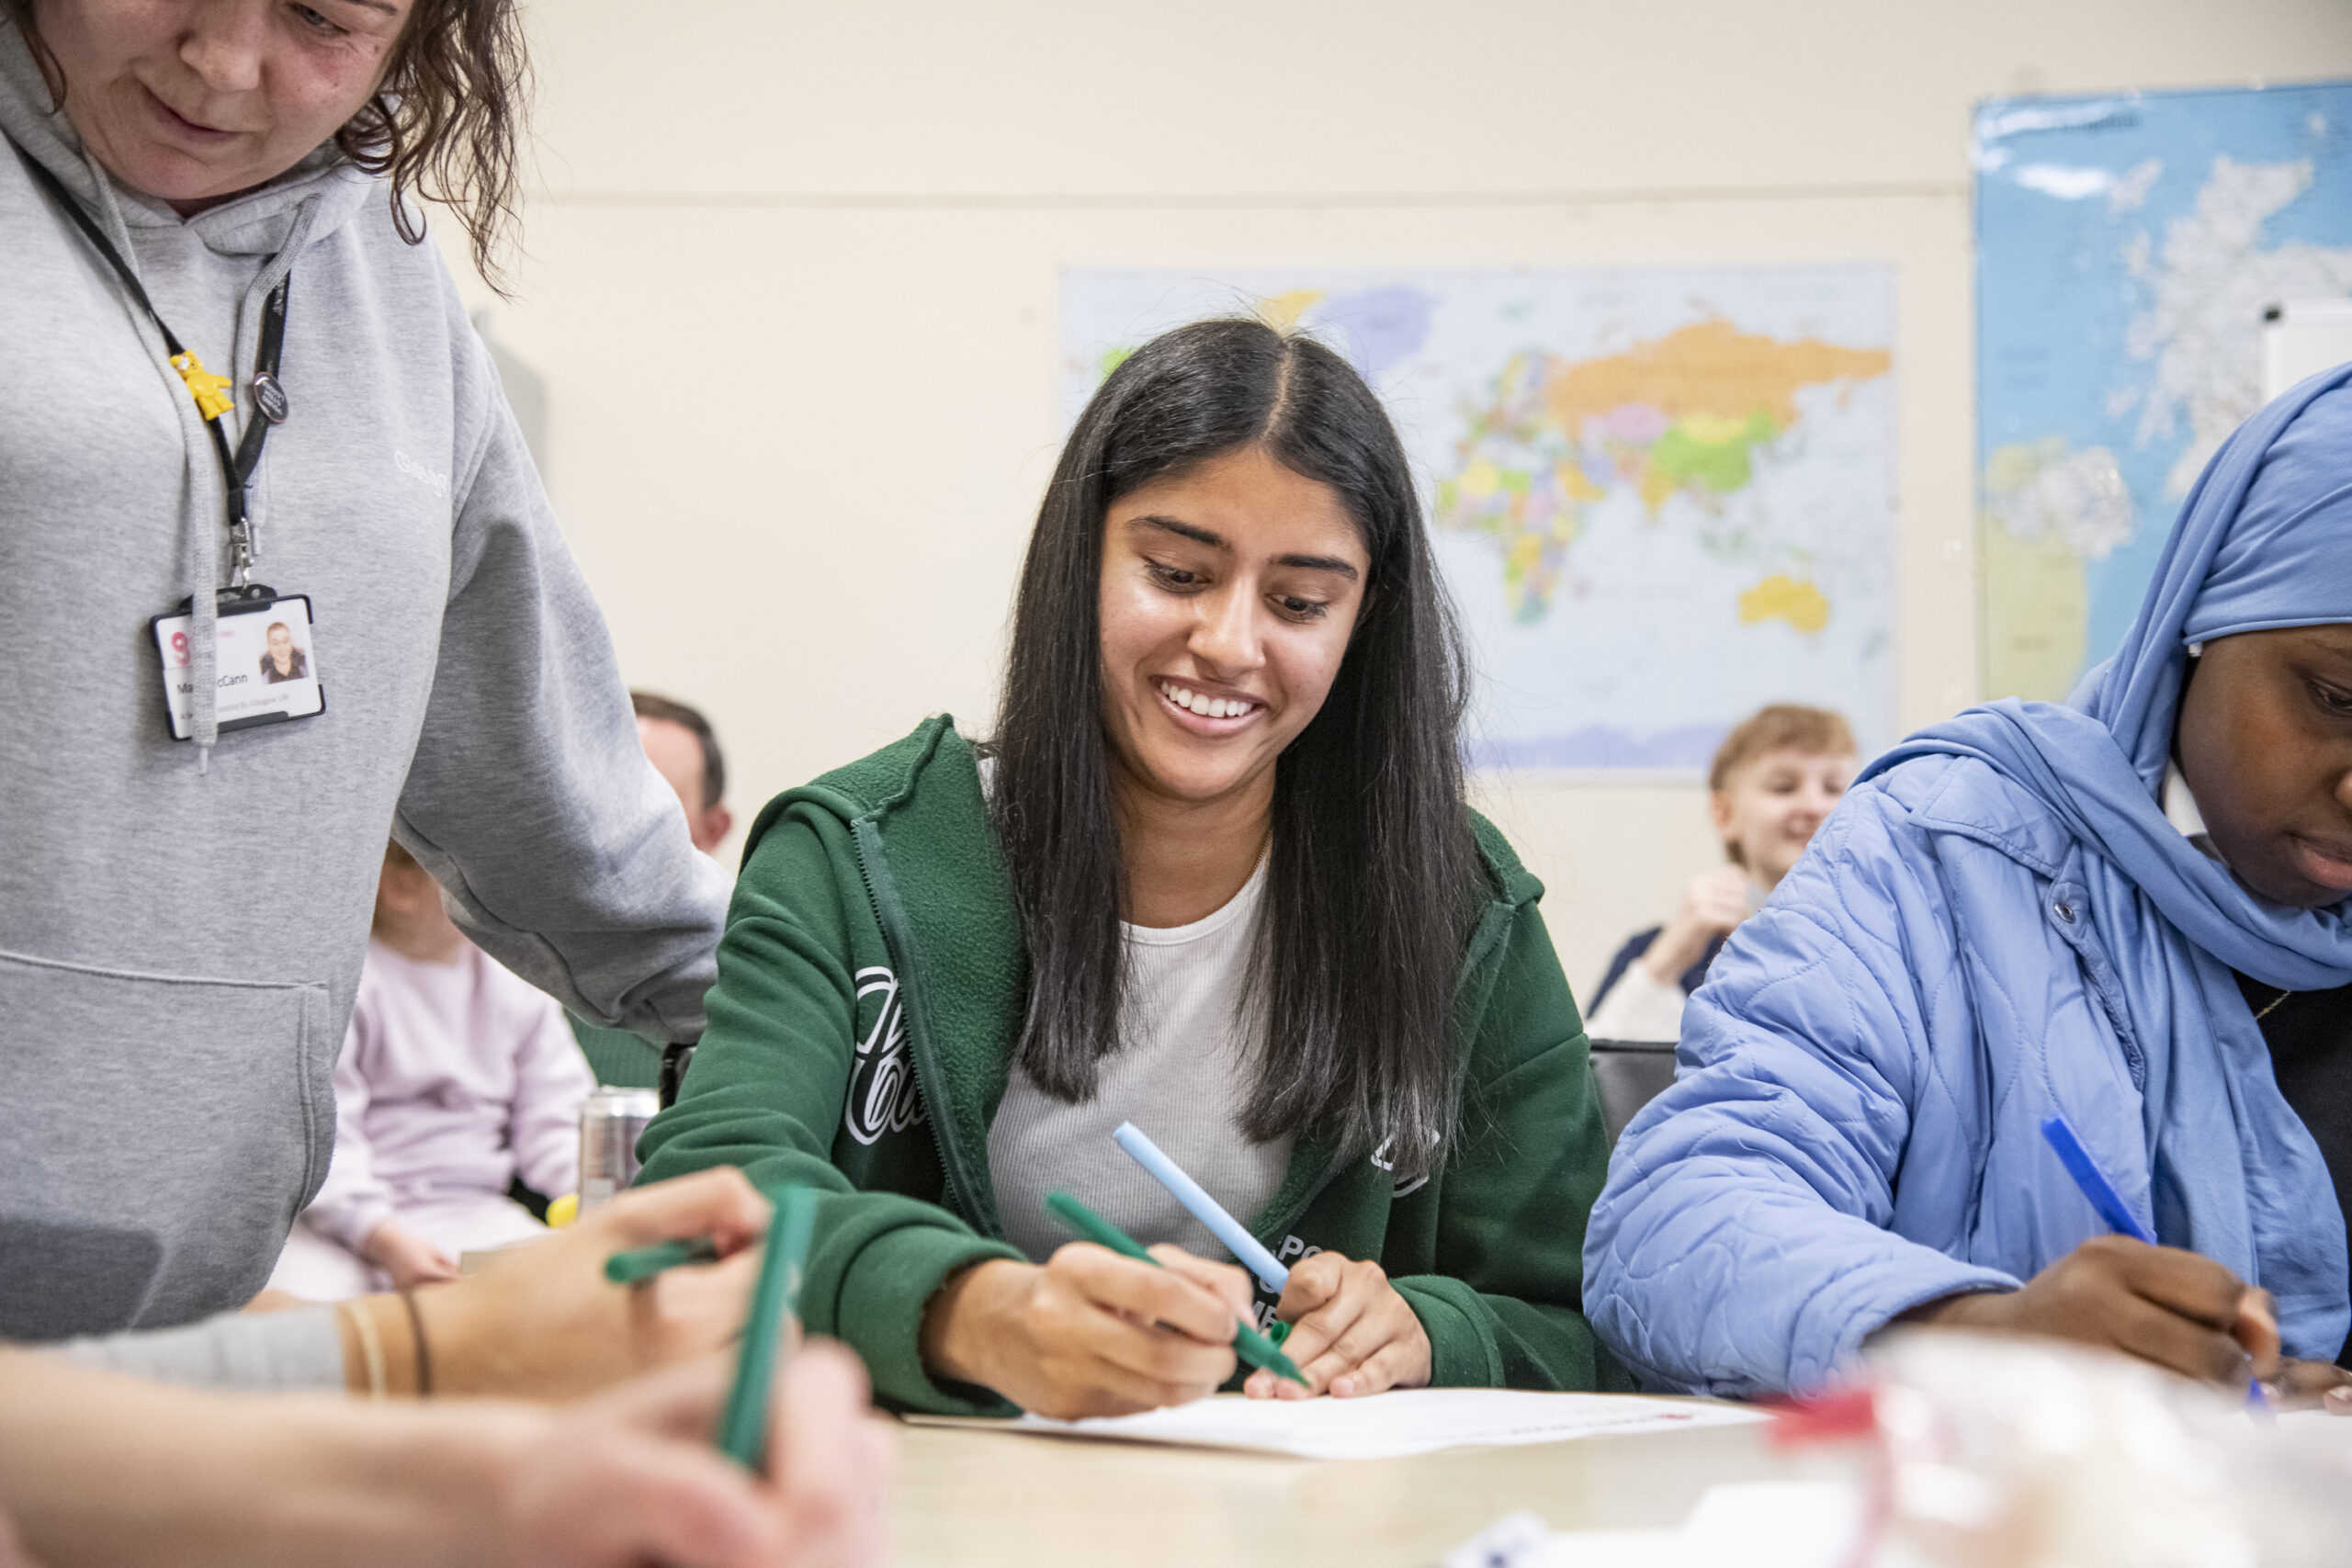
x: 1203, y: 1207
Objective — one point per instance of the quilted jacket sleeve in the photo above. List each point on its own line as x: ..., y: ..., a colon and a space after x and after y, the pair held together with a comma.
x: 1742, y: 1245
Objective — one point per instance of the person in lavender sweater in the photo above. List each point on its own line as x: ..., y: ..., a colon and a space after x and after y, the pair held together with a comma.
x: 456, y: 1078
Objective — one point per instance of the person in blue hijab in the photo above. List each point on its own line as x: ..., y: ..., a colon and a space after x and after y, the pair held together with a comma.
x: 2002, y: 922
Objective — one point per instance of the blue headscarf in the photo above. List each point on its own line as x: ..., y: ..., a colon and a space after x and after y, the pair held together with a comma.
x: 2265, y: 541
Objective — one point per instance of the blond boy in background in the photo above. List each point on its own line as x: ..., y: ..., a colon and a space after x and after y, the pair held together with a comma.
x: 1773, y: 780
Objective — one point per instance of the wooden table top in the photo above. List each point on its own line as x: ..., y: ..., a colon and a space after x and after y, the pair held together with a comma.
x: 968, y: 1499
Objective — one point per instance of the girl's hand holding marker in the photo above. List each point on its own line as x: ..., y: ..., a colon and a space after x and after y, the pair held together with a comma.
x: 1349, y: 1329
x: 1090, y: 1332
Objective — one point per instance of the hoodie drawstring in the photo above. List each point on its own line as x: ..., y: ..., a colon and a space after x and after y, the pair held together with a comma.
x: 214, y: 399
x: 200, y: 557
x: 204, y: 576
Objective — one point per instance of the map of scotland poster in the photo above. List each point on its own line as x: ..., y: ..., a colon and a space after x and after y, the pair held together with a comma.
x: 2127, y: 247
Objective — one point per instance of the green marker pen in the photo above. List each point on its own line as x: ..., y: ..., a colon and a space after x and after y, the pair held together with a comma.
x: 743, y: 1429
x: 1249, y: 1344
x: 643, y: 1262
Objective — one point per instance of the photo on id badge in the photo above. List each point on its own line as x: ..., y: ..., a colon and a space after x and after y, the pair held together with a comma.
x: 265, y: 670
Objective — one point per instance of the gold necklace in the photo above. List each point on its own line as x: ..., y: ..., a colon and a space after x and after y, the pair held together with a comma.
x: 2267, y: 1011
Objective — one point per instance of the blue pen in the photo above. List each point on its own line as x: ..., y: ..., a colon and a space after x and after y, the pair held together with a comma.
x: 1203, y: 1207
x: 2111, y: 1207
x: 2094, y: 1182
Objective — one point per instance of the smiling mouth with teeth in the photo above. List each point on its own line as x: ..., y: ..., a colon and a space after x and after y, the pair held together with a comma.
x: 1204, y: 706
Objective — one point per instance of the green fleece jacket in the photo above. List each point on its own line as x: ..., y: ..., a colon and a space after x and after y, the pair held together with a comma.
x: 870, y: 989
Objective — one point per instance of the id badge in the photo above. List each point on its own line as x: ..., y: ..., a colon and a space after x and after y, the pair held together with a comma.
x: 264, y: 667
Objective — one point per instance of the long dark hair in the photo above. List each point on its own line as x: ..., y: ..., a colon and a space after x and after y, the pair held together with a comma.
x: 1375, y: 872
x: 446, y: 123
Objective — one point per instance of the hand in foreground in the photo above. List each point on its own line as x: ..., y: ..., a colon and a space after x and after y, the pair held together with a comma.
x: 407, y: 1257
x: 1712, y: 905
x: 2185, y: 1313
x: 1350, y: 1333
x: 105, y: 1471
x: 1091, y: 1333
x: 543, y: 1322
x: 2311, y: 1386
x: 631, y: 1477
x: 11, y: 1555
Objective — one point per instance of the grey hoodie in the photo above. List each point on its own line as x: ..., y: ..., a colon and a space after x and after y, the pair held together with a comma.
x: 181, y: 924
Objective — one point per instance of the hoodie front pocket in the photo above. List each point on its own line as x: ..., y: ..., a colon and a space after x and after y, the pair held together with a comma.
x: 158, y: 1134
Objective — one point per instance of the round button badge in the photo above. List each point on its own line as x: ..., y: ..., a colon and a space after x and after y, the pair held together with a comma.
x: 270, y: 398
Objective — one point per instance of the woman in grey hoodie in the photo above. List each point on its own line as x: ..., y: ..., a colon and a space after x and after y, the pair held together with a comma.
x: 181, y: 919
x: 208, y: 220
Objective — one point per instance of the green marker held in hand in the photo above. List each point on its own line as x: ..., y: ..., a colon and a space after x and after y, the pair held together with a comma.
x: 744, y: 1426
x: 1253, y: 1348
x: 641, y: 1264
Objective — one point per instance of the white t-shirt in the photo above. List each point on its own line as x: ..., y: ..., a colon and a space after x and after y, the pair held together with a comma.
x: 1189, y: 1037
x: 1638, y: 1007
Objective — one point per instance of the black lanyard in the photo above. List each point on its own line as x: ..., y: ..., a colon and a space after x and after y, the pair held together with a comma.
x: 213, y: 394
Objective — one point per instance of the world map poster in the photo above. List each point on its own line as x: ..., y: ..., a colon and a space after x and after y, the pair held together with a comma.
x: 2127, y: 248
x: 1661, y: 497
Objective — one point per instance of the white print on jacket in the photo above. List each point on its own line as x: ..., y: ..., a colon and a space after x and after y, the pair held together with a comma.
x: 882, y: 1094
x: 438, y: 483
x: 1383, y: 1160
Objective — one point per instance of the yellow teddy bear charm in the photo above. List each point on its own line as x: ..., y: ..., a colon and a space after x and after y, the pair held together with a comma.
x: 212, y: 392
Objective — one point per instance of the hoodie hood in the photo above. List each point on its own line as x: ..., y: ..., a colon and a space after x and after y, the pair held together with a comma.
x: 249, y: 244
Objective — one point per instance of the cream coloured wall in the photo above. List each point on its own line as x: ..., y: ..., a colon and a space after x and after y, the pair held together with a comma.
x: 791, y: 280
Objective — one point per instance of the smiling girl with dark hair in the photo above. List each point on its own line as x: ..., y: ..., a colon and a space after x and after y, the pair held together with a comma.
x: 1213, y: 875
x: 1373, y: 872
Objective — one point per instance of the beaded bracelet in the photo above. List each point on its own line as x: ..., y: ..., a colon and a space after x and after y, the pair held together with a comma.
x: 371, y: 1349
x: 423, y: 1357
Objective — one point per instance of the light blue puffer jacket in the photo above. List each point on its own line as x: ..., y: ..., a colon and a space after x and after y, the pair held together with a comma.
x: 1996, y: 925
x: 1856, y: 1128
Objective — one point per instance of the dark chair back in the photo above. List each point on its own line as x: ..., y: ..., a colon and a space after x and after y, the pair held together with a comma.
x: 1631, y: 1073
x: 675, y: 1060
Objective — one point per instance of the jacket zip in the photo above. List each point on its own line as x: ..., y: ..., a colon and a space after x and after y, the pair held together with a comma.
x: 1279, y: 1224
x: 882, y: 892
x: 1491, y: 926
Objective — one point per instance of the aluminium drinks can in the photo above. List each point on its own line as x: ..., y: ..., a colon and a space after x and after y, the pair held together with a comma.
x: 610, y: 1120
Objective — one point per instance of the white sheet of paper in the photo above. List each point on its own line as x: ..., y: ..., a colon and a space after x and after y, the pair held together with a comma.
x: 1406, y: 1421
x: 2318, y: 1418
x: 1761, y: 1524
